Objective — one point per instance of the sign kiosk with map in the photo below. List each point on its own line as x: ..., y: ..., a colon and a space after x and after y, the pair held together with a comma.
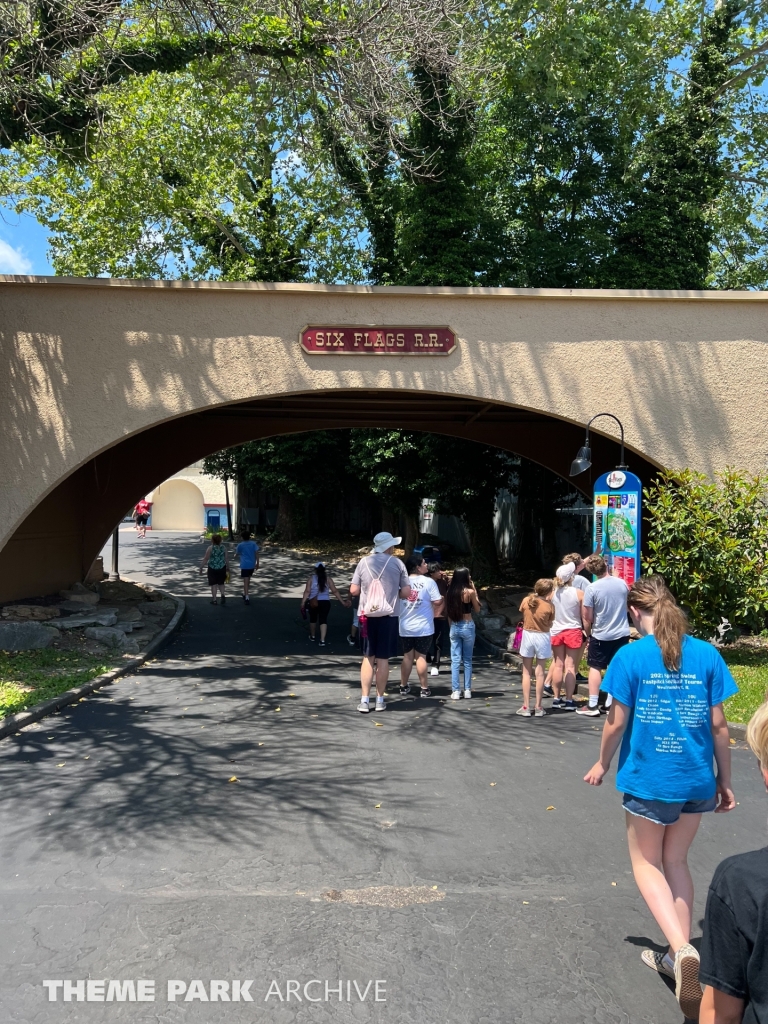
x: 617, y: 523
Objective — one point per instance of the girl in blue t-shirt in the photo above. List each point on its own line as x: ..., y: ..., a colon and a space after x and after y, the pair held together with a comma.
x: 667, y: 713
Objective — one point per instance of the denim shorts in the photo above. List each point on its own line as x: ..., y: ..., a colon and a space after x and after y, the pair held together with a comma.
x: 666, y: 814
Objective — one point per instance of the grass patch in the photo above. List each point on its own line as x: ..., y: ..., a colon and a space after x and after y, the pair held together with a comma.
x: 29, y: 677
x: 749, y: 668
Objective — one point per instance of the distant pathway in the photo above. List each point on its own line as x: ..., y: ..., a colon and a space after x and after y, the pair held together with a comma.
x: 128, y: 854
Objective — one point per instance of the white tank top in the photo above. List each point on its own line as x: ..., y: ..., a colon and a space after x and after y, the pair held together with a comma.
x: 567, y: 609
x: 321, y: 595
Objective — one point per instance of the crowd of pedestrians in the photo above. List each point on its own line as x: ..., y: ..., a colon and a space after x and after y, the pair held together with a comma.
x: 664, y: 696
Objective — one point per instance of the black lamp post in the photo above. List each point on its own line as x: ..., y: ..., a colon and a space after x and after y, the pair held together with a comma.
x: 583, y: 459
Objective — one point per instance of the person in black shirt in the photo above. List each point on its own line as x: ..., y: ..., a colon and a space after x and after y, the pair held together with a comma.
x: 734, y: 947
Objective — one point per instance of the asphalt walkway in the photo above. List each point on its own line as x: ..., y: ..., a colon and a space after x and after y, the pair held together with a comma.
x: 450, y: 851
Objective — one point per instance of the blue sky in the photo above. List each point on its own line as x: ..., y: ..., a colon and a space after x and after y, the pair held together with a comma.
x: 23, y: 245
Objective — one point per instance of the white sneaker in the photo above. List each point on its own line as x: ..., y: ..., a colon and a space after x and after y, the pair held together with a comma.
x: 467, y: 694
x: 456, y: 695
x: 434, y: 671
x: 381, y: 704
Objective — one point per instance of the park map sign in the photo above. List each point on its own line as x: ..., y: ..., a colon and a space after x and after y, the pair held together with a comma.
x: 617, y: 522
x: 370, y: 340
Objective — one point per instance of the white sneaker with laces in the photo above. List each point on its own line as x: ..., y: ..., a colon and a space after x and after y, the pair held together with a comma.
x: 456, y: 695
x: 467, y: 694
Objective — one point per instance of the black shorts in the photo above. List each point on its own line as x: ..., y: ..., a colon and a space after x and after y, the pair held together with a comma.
x: 217, y: 577
x: 142, y: 520
x: 247, y: 572
x: 381, y: 641
x: 600, y: 652
x: 320, y: 612
x: 420, y: 644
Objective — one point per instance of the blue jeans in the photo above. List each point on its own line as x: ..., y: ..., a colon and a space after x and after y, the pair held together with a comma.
x: 462, y: 642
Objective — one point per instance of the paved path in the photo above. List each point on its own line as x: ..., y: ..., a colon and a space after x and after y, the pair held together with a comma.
x: 127, y: 854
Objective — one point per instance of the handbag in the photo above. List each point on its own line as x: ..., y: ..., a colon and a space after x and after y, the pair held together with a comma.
x: 313, y: 602
x: 517, y: 639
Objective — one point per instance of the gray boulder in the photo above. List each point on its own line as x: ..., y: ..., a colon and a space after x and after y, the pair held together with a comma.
x: 74, y: 606
x: 111, y: 637
x: 81, y: 621
x: 30, y: 612
x: 163, y: 607
x: 496, y: 636
x: 25, y: 636
x: 491, y: 622
x: 80, y: 597
x: 129, y: 615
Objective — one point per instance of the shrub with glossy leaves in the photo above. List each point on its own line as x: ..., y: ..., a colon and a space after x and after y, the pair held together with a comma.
x: 709, y: 538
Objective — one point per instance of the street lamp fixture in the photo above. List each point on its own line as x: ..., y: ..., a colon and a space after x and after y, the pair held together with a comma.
x: 583, y: 459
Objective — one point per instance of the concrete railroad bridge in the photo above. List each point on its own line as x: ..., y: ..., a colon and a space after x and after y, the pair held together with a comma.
x: 109, y: 386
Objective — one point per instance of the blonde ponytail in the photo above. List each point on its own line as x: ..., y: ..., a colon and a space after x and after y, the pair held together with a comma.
x: 652, y: 595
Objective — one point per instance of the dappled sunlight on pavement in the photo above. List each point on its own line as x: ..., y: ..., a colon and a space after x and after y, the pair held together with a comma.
x: 226, y: 813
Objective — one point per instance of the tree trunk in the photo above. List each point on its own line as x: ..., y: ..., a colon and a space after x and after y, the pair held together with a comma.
x: 285, y: 525
x: 411, y: 534
x: 484, y: 558
x: 388, y: 520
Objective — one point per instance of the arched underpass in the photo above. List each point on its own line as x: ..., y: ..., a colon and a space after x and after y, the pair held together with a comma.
x: 112, y: 386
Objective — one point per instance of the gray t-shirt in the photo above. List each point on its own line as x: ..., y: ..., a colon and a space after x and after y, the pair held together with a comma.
x: 608, y: 599
x: 393, y: 577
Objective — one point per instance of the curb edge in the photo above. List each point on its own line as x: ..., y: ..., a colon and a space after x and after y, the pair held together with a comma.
x: 14, y: 723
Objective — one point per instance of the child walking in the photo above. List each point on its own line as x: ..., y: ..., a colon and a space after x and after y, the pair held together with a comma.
x: 538, y: 616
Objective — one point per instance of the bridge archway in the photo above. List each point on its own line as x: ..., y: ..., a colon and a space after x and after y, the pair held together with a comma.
x: 113, y: 386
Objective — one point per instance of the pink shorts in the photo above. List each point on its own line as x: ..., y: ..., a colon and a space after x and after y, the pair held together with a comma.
x: 572, y: 638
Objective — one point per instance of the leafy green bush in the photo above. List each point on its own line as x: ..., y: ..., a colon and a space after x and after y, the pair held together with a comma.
x: 709, y: 538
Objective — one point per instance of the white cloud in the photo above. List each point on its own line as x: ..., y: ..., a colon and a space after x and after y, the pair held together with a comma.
x: 12, y: 261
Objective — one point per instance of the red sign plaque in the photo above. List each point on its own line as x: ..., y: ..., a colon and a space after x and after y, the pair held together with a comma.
x: 378, y: 341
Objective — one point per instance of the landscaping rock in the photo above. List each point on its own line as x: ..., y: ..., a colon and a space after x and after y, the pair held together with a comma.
x: 30, y: 612
x: 122, y: 590
x: 81, y: 621
x: 490, y: 622
x: 81, y: 597
x: 160, y: 607
x: 74, y: 606
x: 497, y: 637
x: 129, y: 615
x: 110, y: 637
x: 25, y: 636
x: 80, y: 588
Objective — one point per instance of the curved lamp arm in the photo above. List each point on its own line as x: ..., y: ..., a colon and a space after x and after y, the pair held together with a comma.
x: 583, y: 459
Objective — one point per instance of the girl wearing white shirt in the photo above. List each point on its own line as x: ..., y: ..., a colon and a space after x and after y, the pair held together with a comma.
x: 567, y: 635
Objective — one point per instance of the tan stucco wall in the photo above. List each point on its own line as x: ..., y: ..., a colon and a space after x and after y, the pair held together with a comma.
x: 211, y: 488
x: 178, y: 505
x: 88, y: 363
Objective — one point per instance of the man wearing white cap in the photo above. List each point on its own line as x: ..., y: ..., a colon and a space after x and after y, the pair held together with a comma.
x: 380, y: 579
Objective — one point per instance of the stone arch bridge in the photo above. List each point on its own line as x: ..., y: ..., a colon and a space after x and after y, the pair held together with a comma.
x: 108, y: 387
